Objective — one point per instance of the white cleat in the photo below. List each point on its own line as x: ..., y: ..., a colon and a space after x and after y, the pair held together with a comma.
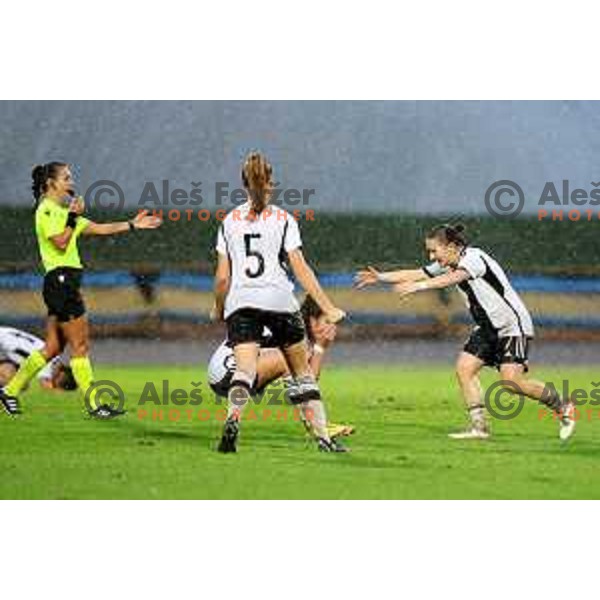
x: 470, y: 434
x: 567, y: 422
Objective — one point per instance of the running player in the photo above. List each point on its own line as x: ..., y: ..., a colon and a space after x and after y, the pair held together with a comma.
x: 272, y: 365
x: 59, y: 224
x: 503, y: 327
x: 17, y: 345
x: 253, y: 291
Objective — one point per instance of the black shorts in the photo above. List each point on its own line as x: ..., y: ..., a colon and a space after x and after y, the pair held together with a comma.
x: 494, y: 350
x: 248, y: 324
x: 62, y: 294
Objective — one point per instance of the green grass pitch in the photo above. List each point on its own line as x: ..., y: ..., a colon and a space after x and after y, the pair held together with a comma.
x: 400, y: 448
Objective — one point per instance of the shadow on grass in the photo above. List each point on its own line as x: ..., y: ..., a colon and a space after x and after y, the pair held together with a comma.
x: 146, y: 435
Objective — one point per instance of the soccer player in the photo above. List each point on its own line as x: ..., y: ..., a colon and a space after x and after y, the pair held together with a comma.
x: 253, y: 291
x: 503, y: 327
x: 272, y: 365
x: 17, y: 345
x: 59, y: 222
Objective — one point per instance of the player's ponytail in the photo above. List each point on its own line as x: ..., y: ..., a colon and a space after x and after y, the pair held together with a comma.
x: 449, y: 234
x: 40, y: 174
x: 257, y: 177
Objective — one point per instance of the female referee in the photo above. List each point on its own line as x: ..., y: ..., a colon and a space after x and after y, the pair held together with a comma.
x: 253, y: 291
x: 58, y: 225
x: 503, y: 327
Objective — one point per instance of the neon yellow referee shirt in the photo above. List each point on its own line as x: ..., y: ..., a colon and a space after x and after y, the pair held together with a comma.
x: 50, y: 220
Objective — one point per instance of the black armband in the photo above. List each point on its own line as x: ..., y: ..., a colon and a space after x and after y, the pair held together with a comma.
x: 72, y: 220
x: 131, y: 225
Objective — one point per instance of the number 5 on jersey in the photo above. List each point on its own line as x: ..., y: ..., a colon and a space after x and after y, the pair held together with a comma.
x: 260, y: 266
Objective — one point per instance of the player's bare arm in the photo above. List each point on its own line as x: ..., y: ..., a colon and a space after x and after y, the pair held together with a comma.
x: 324, y: 334
x: 221, y: 286
x: 311, y: 285
x: 451, y: 278
x: 371, y: 276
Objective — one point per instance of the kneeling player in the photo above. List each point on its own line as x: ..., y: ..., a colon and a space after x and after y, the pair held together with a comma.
x: 503, y: 327
x: 272, y: 365
x: 16, y: 346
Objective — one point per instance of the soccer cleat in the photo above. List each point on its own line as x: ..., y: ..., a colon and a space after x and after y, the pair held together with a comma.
x: 231, y: 431
x: 473, y: 433
x: 334, y: 430
x: 567, y: 422
x: 104, y: 412
x: 10, y: 404
x: 330, y: 445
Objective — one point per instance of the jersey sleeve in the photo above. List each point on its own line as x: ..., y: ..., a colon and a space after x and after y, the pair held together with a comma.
x: 82, y: 223
x: 292, y: 239
x: 472, y: 263
x: 221, y: 245
x: 434, y: 269
x: 51, y: 221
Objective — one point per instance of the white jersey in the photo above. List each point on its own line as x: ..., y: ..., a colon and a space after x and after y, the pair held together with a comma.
x: 257, y: 249
x: 491, y: 299
x: 16, y: 346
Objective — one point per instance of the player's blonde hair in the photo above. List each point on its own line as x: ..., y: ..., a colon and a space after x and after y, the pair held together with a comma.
x: 257, y: 176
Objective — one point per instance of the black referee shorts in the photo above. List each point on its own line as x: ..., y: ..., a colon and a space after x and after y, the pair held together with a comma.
x: 248, y: 324
x: 496, y: 350
x: 62, y: 294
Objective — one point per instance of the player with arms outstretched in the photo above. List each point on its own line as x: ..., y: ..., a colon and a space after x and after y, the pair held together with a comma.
x: 503, y: 327
x: 253, y: 291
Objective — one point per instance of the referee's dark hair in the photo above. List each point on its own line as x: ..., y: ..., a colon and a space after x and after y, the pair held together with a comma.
x: 449, y: 234
x: 40, y: 175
